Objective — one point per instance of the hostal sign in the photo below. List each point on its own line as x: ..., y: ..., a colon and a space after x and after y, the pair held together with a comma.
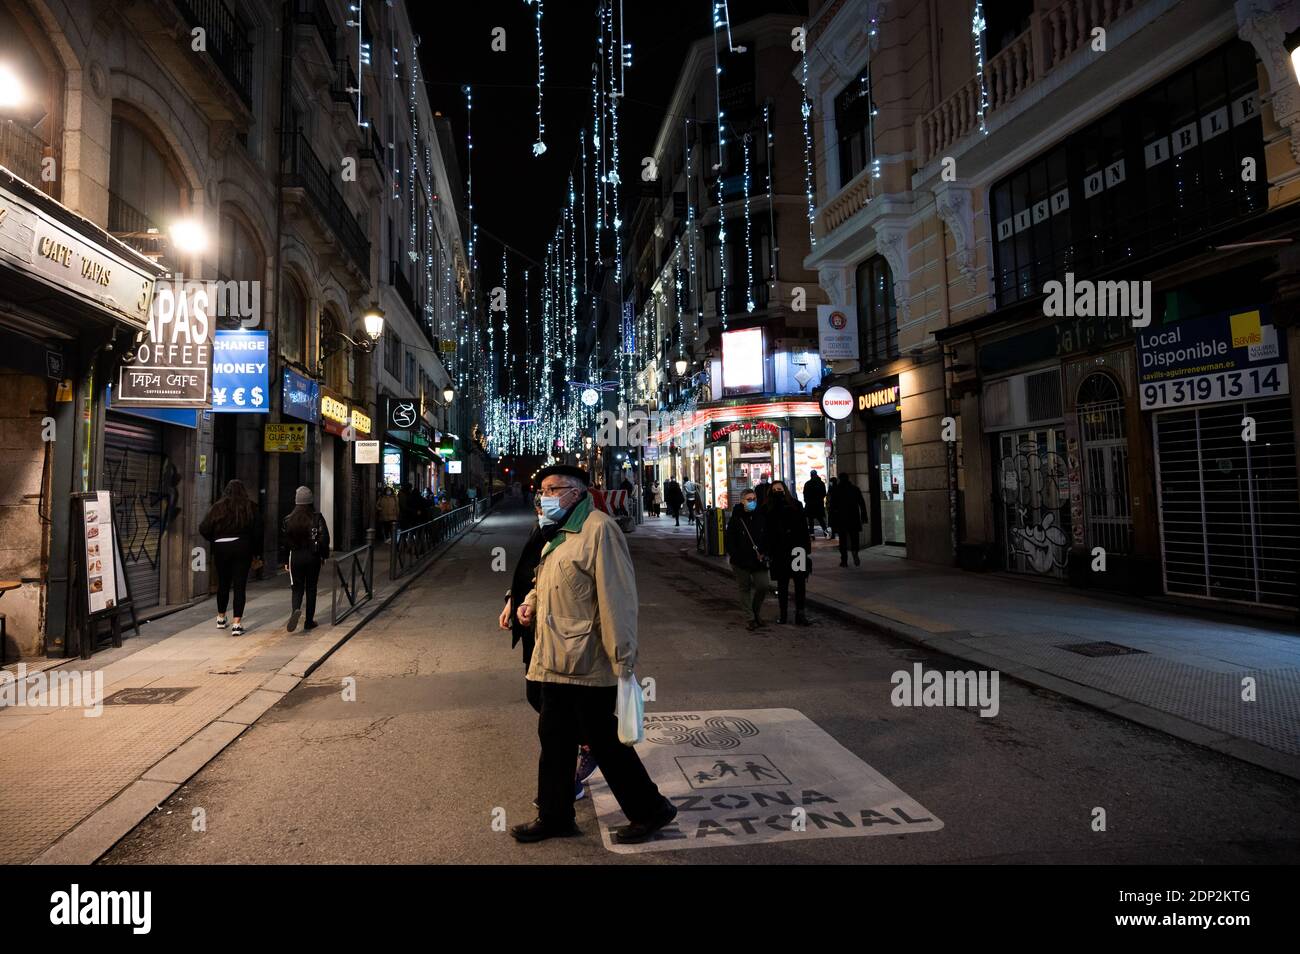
x: 170, y: 363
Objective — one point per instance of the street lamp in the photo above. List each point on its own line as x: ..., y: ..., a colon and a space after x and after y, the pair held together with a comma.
x: 448, y: 394
x: 1292, y: 43
x: 189, y: 237
x: 372, y: 321
x: 13, y: 92
x: 680, y: 366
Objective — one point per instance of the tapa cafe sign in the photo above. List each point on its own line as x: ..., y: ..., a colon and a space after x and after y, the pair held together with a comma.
x: 170, y: 364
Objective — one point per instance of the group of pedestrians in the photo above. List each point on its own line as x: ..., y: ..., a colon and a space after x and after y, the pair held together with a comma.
x: 769, y: 540
x: 233, y: 526
x: 572, y: 603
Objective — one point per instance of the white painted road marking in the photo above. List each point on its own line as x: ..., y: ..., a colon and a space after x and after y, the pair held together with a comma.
x: 741, y: 777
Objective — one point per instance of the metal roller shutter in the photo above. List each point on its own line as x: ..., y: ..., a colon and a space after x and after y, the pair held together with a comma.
x: 133, y: 461
x: 1229, y: 511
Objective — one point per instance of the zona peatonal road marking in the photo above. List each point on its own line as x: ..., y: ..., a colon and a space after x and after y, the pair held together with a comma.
x: 754, y: 776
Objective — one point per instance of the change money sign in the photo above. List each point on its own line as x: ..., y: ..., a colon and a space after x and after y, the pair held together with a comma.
x: 240, y: 368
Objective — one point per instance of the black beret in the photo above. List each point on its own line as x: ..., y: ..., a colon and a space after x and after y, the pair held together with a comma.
x: 564, y: 470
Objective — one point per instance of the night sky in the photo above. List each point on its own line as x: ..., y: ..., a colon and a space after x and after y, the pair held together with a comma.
x: 518, y: 198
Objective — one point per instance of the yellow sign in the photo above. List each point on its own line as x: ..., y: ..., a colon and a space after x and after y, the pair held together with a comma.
x: 872, y: 399
x: 1246, y: 329
x: 285, y: 438
x: 360, y: 422
x: 333, y: 409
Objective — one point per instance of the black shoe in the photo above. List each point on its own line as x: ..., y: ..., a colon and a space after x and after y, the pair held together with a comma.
x: 801, y: 620
x: 856, y: 561
x: 310, y: 624
x: 640, y: 831
x: 782, y: 618
x: 293, y: 621
x: 536, y: 831
x: 844, y: 563
x: 752, y: 625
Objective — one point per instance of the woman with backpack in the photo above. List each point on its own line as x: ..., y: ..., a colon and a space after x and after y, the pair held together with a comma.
x: 306, y: 547
x: 234, y: 528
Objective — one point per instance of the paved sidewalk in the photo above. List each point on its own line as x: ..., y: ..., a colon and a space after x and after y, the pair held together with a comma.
x: 1184, y: 678
x: 72, y: 784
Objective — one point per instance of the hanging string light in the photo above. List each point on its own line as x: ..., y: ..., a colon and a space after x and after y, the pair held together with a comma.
x: 718, y: 168
x: 771, y: 210
x: 411, y: 251
x: 977, y: 26
x: 806, y: 108
x: 539, y: 147
x: 749, y: 249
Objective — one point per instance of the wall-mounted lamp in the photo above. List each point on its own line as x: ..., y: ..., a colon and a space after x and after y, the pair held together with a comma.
x: 334, y: 341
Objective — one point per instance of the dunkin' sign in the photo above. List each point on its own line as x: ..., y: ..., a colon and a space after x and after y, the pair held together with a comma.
x: 837, y: 403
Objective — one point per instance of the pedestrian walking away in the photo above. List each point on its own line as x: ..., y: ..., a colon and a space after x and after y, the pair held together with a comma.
x: 789, y: 548
x: 234, y: 528
x: 849, y: 512
x: 386, y: 510
x: 674, y: 498
x: 744, y: 541
x: 814, y: 502
x: 521, y: 581
x: 305, y: 547
x: 692, y: 491
x: 583, y: 605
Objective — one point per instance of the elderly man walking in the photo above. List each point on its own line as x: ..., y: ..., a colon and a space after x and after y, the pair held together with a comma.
x: 583, y: 605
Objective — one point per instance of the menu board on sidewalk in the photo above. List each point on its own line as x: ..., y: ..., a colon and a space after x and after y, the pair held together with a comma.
x: 101, y: 554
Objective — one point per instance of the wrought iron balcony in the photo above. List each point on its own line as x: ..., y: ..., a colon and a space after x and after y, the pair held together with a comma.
x: 21, y: 152
x: 316, y: 13
x: 303, y: 170
x: 225, y: 42
x: 130, y: 225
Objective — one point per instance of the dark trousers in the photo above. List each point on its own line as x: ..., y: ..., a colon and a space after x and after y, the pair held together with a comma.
x: 783, y: 592
x: 304, y: 572
x: 570, y: 715
x: 753, y: 586
x: 233, y: 561
x: 849, y: 535
x: 815, y: 517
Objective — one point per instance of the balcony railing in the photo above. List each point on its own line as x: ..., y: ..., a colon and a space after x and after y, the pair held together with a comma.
x: 303, y: 170
x: 1052, y: 38
x: 852, y: 198
x: 130, y: 225
x: 404, y: 290
x: 345, y: 85
x: 21, y: 151
x: 316, y: 13
x: 225, y: 41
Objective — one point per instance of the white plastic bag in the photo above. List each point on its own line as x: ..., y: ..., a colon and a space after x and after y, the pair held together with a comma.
x: 629, y: 709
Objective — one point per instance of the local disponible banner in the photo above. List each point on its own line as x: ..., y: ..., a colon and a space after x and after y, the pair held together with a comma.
x: 240, y: 364
x: 171, y: 361
x: 837, y: 333
x: 1233, y: 356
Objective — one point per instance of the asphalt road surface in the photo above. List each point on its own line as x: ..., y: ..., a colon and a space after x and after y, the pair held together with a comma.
x: 439, y: 747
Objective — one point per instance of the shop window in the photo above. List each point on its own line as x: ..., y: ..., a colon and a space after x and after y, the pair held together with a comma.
x: 393, y: 355
x: 853, y: 108
x: 291, y: 324
x: 1003, y: 22
x: 336, y: 365
x: 877, y: 314
x: 1160, y: 169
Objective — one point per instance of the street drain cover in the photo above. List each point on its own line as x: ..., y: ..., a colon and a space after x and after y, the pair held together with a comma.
x: 147, y: 696
x: 1102, y: 649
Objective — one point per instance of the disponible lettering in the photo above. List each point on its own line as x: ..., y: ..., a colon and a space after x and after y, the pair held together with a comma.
x: 1162, y: 349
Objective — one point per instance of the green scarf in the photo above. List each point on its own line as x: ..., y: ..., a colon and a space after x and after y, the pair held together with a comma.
x: 578, y: 516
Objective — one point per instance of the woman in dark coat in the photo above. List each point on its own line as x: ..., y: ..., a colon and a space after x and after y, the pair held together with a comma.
x: 234, y: 528
x: 789, y: 547
x: 306, y: 547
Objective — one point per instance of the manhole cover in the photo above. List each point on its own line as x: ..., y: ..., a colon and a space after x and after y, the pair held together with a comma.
x: 1102, y: 649
x: 147, y: 697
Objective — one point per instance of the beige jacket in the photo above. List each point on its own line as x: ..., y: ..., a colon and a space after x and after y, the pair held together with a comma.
x: 584, y: 602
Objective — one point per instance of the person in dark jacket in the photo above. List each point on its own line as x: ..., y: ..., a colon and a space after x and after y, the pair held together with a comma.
x: 789, y: 548
x: 761, y: 490
x: 744, y: 541
x: 674, y: 498
x: 849, y: 513
x: 305, y: 548
x: 814, y: 502
x: 234, y: 528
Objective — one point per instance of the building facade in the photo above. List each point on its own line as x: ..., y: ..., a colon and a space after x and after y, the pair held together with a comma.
x: 1068, y: 246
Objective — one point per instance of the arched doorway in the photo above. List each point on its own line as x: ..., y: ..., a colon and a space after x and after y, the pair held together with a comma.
x: 1108, y: 511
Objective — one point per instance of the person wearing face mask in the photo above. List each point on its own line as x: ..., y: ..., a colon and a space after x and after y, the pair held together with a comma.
x: 789, y: 544
x: 521, y: 581
x: 583, y: 606
x: 745, y: 542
